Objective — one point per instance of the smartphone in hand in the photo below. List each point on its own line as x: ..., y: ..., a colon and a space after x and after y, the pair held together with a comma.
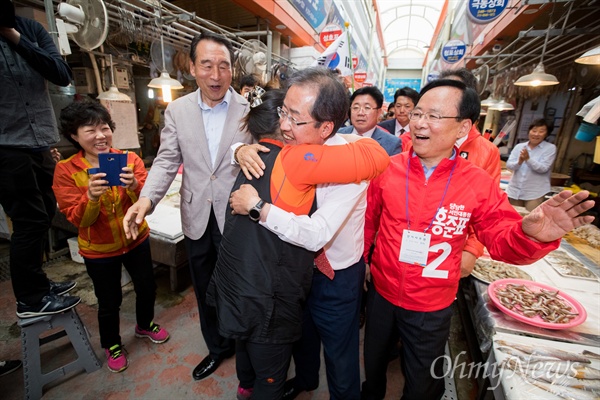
x: 112, y: 165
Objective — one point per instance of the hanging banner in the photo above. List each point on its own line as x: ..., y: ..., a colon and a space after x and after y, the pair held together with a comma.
x: 454, y: 51
x: 336, y: 56
x: 484, y: 11
x: 393, y: 84
x: 329, y: 34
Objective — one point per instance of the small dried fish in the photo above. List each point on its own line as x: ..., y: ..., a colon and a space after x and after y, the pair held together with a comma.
x: 561, y: 391
x: 589, y: 385
x: 591, y: 354
x: 490, y: 271
x: 546, y: 352
x: 544, y: 304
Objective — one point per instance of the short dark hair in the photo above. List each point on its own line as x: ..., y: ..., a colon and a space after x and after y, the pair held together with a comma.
x: 248, y: 80
x: 407, y: 92
x: 469, y: 107
x: 541, y: 122
x: 332, y: 102
x: 220, y: 39
x: 465, y: 76
x: 371, y: 91
x: 262, y: 121
x: 83, y: 113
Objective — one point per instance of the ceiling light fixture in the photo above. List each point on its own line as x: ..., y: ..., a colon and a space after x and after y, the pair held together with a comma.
x: 164, y: 81
x: 490, y: 101
x: 501, y: 105
x: 539, y: 77
x: 591, y: 57
x: 113, y: 94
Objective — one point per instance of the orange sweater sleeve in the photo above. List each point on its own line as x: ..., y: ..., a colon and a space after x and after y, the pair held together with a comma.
x: 309, y: 165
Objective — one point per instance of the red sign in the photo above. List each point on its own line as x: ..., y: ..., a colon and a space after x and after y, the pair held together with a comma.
x: 360, y: 76
x: 329, y: 34
x: 354, y: 62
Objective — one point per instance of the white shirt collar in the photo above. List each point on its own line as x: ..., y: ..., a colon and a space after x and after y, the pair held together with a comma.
x: 368, y: 133
x: 204, y: 106
x: 398, y: 127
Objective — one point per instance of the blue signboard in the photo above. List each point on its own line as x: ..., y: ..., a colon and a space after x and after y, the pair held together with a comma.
x: 484, y: 11
x: 313, y: 11
x: 453, y: 51
x: 393, y: 84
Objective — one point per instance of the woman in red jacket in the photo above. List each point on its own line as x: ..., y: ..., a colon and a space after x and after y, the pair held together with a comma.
x: 97, y: 209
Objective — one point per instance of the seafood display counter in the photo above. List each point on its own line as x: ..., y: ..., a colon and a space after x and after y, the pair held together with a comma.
x: 539, y: 369
x: 569, y: 271
x: 166, y: 236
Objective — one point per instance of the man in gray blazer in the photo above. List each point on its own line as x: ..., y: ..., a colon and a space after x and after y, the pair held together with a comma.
x: 199, y: 130
x: 365, y: 106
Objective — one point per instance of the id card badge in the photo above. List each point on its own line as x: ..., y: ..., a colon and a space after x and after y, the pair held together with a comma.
x: 415, y: 247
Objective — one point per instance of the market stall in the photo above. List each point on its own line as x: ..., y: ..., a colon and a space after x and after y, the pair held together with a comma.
x: 570, y: 272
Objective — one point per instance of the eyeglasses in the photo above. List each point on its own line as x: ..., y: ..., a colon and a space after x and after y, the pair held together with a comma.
x: 284, y: 114
x: 430, y: 117
x: 367, y: 108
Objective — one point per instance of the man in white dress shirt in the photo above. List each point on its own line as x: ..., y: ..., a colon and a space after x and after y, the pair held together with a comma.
x: 315, y: 106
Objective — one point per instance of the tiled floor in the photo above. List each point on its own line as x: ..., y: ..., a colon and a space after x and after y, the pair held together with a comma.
x: 155, y: 371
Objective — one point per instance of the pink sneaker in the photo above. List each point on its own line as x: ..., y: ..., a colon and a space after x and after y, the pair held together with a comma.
x: 244, y: 394
x: 155, y: 333
x: 115, y: 358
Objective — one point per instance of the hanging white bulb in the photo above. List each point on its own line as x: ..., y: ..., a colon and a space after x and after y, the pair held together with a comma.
x: 166, y: 94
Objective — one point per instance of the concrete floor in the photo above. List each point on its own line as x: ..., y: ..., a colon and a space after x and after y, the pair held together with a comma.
x: 160, y: 371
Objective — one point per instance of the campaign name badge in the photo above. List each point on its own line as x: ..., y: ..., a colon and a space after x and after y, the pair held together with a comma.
x: 414, y: 247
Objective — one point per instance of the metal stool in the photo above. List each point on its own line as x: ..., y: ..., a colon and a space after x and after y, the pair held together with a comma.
x: 32, y: 328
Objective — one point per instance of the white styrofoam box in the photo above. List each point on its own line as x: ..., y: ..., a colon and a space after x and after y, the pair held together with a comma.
x: 74, y: 250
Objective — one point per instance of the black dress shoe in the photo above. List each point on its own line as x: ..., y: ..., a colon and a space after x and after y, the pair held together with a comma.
x: 205, y: 368
x: 59, y: 288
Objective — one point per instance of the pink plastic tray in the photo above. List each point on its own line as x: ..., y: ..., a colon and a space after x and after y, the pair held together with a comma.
x: 537, y: 321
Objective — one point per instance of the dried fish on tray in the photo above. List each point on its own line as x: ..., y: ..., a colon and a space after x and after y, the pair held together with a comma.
x: 567, y: 266
x: 488, y: 271
x: 536, y: 304
x: 589, y: 233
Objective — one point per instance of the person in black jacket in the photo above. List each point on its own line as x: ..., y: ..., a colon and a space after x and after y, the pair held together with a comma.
x: 28, y: 59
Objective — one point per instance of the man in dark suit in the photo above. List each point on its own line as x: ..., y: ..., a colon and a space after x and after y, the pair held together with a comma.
x: 405, y: 100
x: 199, y: 130
x: 365, y: 107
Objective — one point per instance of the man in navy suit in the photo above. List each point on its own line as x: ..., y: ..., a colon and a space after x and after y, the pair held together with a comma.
x: 405, y: 100
x: 365, y: 106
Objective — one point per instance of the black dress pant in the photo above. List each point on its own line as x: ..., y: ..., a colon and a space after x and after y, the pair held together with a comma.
x: 424, y: 336
x: 27, y: 198
x: 263, y: 366
x: 202, y: 256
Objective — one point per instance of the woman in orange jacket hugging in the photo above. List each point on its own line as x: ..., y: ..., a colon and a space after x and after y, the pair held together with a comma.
x: 97, y: 209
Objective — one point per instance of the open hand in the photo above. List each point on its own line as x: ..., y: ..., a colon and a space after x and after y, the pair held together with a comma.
x: 250, y: 162
x: 552, y: 219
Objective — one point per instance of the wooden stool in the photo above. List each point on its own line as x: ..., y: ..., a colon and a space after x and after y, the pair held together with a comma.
x: 32, y: 328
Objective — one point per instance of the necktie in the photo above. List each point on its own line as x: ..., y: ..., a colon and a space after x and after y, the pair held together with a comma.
x: 402, y: 131
x: 323, y: 264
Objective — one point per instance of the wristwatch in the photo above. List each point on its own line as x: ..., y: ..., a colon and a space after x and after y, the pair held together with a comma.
x: 254, y: 212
